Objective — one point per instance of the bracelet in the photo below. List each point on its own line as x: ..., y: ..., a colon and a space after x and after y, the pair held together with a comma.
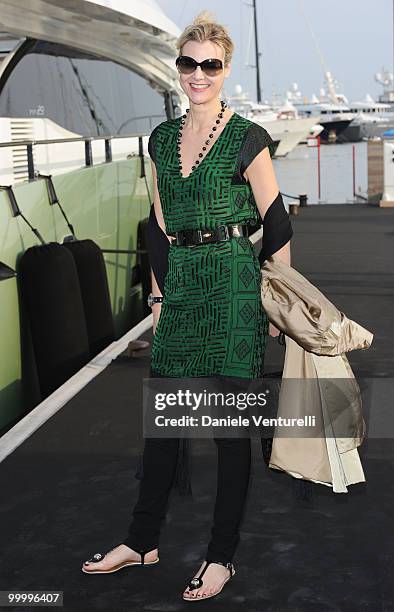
x: 154, y: 299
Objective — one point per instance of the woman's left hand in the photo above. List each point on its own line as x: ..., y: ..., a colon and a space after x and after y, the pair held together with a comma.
x: 273, y: 331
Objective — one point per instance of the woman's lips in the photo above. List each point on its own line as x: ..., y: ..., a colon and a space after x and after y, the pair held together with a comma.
x: 196, y: 88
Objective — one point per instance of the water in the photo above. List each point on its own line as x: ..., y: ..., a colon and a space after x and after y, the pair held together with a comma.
x: 297, y: 173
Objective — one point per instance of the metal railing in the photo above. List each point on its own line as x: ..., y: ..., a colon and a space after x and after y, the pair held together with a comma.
x: 29, y: 144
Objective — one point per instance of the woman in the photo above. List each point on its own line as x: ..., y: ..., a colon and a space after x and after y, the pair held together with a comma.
x: 211, y: 168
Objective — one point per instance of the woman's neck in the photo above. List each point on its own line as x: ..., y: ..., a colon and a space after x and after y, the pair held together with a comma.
x: 197, y: 116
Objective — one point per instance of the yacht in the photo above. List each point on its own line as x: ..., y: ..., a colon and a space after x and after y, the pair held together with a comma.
x: 82, y: 84
x: 283, y: 123
x: 334, y: 118
x: 371, y: 119
x: 346, y: 121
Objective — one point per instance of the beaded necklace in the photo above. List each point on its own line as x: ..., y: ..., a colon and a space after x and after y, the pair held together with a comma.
x: 207, y: 142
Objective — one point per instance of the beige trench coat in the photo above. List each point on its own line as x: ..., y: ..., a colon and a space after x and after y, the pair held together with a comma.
x: 317, y: 337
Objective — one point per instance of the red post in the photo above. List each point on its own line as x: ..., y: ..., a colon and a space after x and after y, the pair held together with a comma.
x: 354, y: 169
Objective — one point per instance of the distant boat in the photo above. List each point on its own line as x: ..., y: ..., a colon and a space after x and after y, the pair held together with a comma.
x: 371, y: 119
x: 334, y: 118
x: 284, y: 125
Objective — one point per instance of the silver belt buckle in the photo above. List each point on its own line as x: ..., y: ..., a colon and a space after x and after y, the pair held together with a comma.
x: 227, y: 233
x: 235, y: 231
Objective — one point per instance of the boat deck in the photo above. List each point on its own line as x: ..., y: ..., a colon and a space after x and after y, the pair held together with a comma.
x: 68, y: 490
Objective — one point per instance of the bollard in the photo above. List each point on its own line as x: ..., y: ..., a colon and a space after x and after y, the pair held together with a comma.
x: 303, y: 199
x: 293, y: 208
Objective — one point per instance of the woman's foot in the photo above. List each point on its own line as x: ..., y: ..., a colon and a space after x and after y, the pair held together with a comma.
x: 213, y: 576
x: 117, y: 558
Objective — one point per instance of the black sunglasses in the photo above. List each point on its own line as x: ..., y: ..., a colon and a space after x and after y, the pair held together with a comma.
x: 187, y: 65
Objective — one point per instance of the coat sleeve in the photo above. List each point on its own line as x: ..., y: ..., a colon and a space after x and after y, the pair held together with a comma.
x: 158, y: 249
x: 157, y: 243
x: 152, y: 146
x: 277, y: 229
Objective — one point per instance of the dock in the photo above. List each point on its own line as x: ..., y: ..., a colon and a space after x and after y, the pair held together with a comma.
x: 69, y: 489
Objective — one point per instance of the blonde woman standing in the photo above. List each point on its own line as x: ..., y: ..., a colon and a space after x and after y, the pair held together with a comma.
x: 213, y: 179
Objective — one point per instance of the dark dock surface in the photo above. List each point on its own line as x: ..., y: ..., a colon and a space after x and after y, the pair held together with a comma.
x: 68, y: 491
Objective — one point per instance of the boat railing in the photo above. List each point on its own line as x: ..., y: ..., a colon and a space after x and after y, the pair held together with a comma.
x: 34, y: 175
x: 88, y: 140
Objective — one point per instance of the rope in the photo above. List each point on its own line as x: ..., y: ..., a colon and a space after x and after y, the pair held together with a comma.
x: 290, y: 196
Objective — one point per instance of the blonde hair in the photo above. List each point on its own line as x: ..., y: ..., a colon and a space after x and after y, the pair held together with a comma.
x: 204, y: 27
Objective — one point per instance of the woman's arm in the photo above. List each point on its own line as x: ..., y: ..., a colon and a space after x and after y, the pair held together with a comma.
x: 261, y: 176
x: 158, y: 247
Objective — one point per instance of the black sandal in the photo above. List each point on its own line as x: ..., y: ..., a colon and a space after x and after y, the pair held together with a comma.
x: 99, y: 557
x: 196, y: 583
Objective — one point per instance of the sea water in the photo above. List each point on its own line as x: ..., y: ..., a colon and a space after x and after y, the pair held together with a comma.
x: 297, y: 173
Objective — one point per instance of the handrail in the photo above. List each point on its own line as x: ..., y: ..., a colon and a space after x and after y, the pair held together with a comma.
x: 29, y: 144
x: 12, y: 143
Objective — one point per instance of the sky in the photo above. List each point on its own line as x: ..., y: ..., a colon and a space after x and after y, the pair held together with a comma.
x: 355, y: 38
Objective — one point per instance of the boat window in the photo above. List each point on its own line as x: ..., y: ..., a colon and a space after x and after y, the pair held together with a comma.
x: 82, y: 93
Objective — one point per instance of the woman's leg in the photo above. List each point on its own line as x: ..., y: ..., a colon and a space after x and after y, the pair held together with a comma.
x: 234, y: 460
x: 159, y: 463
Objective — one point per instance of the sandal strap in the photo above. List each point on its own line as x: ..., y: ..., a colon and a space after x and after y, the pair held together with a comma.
x: 196, y: 583
x: 97, y: 557
x: 143, y: 553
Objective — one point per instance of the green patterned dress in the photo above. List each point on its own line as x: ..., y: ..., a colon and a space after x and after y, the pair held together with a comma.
x: 212, y: 322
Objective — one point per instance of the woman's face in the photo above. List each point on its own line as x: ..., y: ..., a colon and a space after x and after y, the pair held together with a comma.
x: 201, y: 51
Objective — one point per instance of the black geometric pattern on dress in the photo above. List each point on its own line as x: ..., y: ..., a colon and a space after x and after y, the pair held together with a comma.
x: 212, y: 321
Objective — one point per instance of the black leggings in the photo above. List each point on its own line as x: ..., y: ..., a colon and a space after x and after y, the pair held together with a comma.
x: 159, y: 464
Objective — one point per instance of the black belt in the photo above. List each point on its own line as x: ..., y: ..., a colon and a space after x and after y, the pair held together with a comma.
x: 221, y: 233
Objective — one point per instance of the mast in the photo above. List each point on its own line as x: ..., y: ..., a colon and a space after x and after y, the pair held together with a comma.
x: 257, y: 54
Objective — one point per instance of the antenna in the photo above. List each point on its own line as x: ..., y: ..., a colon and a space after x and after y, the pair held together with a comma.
x: 327, y: 73
x: 256, y: 45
